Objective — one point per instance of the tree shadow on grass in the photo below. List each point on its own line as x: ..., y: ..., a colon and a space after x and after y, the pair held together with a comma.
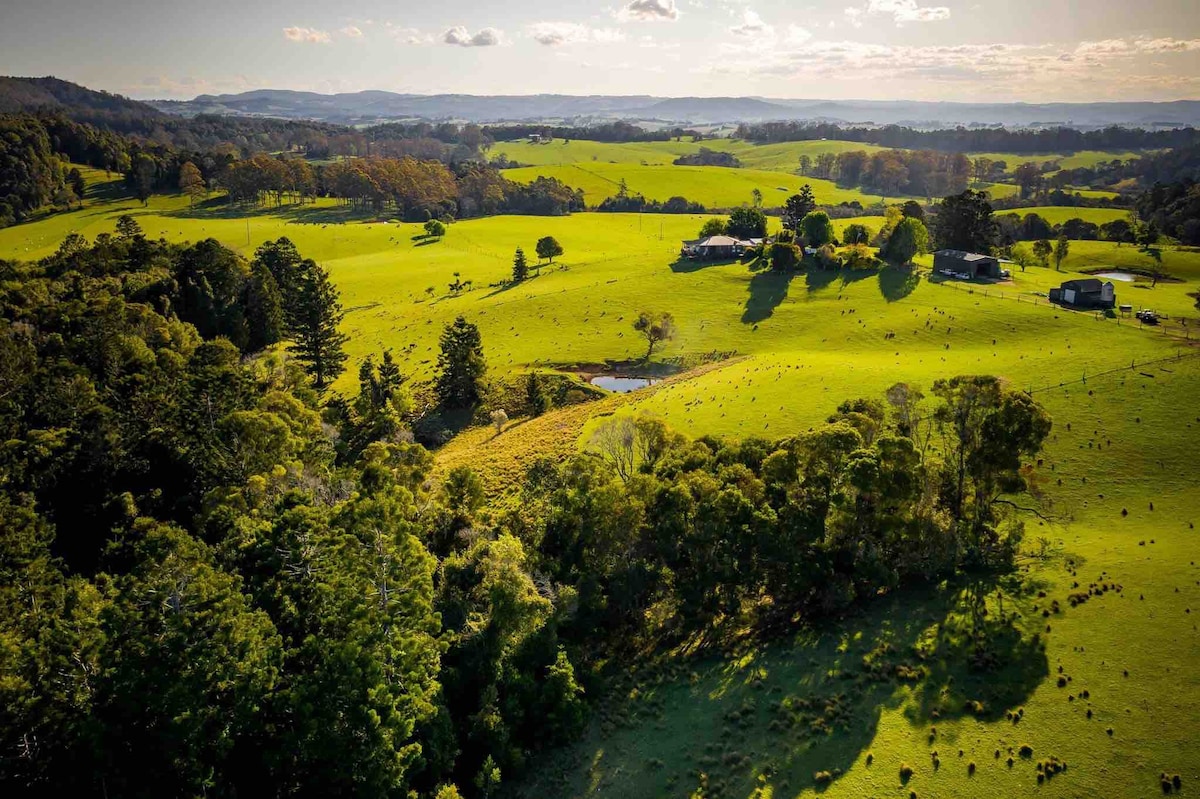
x: 896, y: 283
x: 849, y: 276
x: 688, y: 265
x: 767, y: 291
x: 295, y: 213
x: 817, y: 279
x: 797, y: 714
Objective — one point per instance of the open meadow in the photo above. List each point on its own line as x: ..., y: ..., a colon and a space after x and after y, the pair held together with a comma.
x: 1102, y: 674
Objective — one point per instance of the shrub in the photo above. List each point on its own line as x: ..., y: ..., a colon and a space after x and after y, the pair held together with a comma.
x: 1025, y: 751
x: 822, y: 778
x: 906, y: 771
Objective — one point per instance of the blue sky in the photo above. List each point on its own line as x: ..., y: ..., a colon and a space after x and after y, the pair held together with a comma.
x: 1032, y: 50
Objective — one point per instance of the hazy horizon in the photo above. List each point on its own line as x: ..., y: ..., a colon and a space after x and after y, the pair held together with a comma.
x: 1034, y: 51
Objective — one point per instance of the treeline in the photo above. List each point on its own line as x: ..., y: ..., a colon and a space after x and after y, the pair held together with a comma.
x: 212, y: 581
x: 968, y: 140
x: 31, y: 172
x: 618, y: 131
x: 625, y: 202
x: 920, y: 173
x: 1174, y: 208
x: 413, y: 190
x: 707, y: 157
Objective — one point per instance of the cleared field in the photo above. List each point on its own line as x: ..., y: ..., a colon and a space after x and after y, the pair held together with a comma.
x: 1057, y: 214
x: 1078, y: 160
x: 783, y: 157
x: 1118, y: 474
x: 715, y: 187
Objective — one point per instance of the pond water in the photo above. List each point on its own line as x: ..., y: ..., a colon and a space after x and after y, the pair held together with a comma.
x: 1124, y: 277
x: 622, y: 385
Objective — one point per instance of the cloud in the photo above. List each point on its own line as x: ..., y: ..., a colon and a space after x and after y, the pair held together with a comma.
x: 1142, y: 45
x: 797, y: 35
x: 649, y: 11
x: 553, y: 34
x: 901, y: 11
x: 1112, y: 68
x: 486, y: 37
x: 752, y: 25
x: 407, y: 35
x: 351, y: 32
x: 307, y: 35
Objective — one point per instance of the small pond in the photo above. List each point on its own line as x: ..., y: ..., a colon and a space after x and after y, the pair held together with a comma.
x: 622, y: 385
x: 1124, y: 277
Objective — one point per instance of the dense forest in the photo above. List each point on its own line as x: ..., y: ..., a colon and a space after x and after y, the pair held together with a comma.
x: 217, y: 576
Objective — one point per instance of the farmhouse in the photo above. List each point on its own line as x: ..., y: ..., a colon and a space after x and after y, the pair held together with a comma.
x: 1085, y: 293
x: 971, y: 264
x: 717, y: 247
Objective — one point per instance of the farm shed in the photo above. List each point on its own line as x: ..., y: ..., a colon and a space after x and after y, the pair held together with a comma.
x: 969, y: 263
x: 1085, y: 293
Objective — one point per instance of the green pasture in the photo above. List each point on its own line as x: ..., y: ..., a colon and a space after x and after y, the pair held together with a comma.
x: 1077, y: 160
x: 1119, y: 480
x: 782, y: 157
x: 1057, y: 214
x: 715, y: 187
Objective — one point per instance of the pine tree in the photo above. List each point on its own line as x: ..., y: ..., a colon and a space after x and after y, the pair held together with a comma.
x: 535, y: 395
x: 520, y: 266
x: 264, y: 308
x: 318, y: 342
x: 460, y: 365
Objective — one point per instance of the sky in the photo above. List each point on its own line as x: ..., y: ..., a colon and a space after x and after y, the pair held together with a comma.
x: 954, y: 50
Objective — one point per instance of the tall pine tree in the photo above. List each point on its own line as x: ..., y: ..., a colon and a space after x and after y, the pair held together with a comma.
x: 460, y: 365
x: 317, y: 341
x: 520, y: 266
x: 264, y: 308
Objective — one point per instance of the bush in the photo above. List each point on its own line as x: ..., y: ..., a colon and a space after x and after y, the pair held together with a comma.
x: 1025, y: 751
x: 906, y: 771
x: 822, y: 778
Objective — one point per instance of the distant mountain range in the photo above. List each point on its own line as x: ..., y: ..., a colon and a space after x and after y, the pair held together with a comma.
x: 18, y: 94
x: 371, y: 106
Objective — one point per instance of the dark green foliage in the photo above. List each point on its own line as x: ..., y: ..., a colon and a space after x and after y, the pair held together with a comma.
x: 317, y: 341
x: 520, y: 269
x: 908, y: 240
x: 816, y: 229
x: 263, y: 308
x: 798, y: 206
x: 856, y: 234
x: 747, y: 223
x: 461, y: 365
x: 964, y: 222
x: 30, y: 173
x: 548, y: 247
x: 536, y: 400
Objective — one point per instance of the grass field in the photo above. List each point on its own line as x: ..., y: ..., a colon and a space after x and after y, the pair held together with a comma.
x: 783, y: 157
x: 1119, y: 475
x: 715, y: 187
x: 1079, y: 160
x: 1057, y: 214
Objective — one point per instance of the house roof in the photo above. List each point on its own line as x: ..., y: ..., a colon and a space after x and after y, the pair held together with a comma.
x: 717, y: 241
x: 963, y: 255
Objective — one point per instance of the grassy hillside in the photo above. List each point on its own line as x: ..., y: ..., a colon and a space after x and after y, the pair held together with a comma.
x: 715, y: 187
x: 783, y: 157
x: 1118, y: 476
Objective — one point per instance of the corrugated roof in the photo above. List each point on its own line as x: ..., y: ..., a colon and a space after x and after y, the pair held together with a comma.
x: 963, y: 255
